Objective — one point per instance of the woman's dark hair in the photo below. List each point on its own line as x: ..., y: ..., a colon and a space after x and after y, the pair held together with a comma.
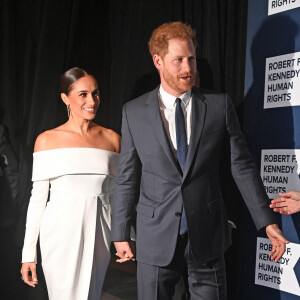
x: 69, y: 77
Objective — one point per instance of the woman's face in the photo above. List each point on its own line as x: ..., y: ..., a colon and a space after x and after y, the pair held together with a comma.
x: 83, y: 98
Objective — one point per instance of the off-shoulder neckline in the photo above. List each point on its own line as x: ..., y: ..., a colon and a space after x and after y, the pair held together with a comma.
x: 68, y: 148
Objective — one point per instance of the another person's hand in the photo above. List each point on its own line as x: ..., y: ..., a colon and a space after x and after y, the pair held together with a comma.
x: 278, y: 241
x: 124, y: 251
x: 30, y: 279
x: 287, y: 204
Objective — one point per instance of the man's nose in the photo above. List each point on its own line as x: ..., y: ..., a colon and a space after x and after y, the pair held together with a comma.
x: 187, y: 65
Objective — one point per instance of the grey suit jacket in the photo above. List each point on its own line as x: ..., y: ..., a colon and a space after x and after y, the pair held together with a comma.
x: 150, y: 176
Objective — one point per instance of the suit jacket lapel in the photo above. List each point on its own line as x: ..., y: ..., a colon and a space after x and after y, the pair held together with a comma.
x: 198, y: 119
x: 154, y: 118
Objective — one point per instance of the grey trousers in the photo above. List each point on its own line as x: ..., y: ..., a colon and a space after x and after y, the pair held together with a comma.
x: 206, y: 281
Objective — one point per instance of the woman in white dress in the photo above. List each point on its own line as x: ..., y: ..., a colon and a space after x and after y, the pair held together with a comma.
x: 74, y: 166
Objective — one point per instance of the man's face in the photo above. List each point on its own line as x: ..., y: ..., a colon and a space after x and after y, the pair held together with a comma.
x: 178, y: 68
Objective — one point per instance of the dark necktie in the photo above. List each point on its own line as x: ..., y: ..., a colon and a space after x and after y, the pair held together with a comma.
x: 182, y: 149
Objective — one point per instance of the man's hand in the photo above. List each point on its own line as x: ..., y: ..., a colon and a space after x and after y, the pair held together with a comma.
x: 287, y: 203
x: 124, y: 251
x: 278, y: 241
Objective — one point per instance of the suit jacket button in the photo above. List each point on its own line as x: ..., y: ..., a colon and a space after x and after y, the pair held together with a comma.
x: 178, y: 214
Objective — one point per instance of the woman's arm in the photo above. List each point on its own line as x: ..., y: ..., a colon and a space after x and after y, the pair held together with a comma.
x: 35, y: 212
x: 36, y: 208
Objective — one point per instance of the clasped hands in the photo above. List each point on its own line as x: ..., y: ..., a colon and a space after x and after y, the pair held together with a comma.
x: 125, y: 251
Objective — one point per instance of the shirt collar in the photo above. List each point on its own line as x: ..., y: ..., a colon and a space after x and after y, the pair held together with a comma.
x: 168, y: 100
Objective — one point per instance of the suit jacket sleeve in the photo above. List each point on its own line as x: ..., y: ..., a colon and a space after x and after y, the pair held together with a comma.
x: 245, y: 172
x: 127, y: 184
x: 9, y: 166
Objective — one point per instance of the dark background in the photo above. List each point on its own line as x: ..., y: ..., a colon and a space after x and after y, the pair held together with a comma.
x: 40, y: 39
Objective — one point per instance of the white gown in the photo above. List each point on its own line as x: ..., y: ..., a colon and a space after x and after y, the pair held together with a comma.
x: 74, y: 224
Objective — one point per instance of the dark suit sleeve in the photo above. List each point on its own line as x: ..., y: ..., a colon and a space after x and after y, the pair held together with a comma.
x: 127, y: 186
x: 9, y: 167
x: 231, y: 195
x: 245, y: 172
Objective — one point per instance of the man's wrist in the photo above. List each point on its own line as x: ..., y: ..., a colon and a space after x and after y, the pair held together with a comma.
x: 232, y: 224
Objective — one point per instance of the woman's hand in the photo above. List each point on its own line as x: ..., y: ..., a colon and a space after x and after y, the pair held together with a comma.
x: 287, y: 203
x: 28, y: 272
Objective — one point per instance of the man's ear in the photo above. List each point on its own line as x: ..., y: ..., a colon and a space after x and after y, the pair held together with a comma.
x: 65, y: 98
x: 158, y: 61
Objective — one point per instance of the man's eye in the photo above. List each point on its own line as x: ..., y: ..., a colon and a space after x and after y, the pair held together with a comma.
x: 179, y: 59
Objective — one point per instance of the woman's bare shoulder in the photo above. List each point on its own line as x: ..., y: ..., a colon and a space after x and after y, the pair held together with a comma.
x: 111, y: 136
x: 48, y: 139
x: 110, y: 133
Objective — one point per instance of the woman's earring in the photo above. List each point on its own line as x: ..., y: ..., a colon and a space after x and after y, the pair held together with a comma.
x: 68, y: 110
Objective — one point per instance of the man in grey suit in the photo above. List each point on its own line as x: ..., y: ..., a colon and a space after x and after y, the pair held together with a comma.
x: 169, y: 165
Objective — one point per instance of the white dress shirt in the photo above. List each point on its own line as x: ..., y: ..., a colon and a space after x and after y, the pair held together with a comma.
x: 167, y: 107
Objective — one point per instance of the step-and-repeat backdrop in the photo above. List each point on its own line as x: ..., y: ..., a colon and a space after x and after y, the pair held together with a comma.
x: 272, y: 129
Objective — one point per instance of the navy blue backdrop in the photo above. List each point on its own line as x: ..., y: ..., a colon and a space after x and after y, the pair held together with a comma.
x: 274, y: 128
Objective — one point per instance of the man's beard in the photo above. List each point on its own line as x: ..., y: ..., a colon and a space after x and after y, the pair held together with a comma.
x: 176, y: 84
